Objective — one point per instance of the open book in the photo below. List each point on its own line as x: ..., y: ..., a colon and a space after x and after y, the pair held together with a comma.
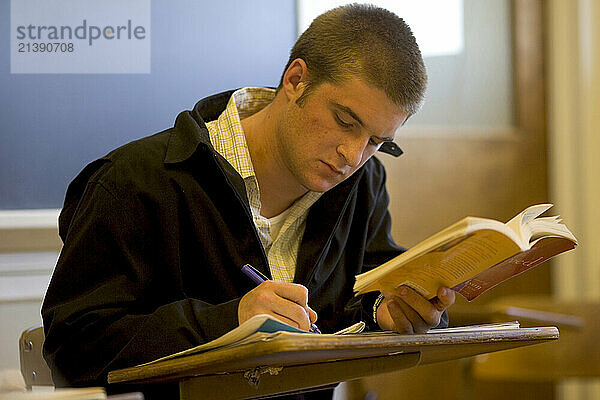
x: 473, y: 255
x: 260, y: 327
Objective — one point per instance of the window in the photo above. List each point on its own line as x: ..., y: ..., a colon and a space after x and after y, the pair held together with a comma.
x: 466, y: 46
x: 438, y: 33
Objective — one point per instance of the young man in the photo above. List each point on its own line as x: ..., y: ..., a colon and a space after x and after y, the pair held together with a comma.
x: 155, y: 233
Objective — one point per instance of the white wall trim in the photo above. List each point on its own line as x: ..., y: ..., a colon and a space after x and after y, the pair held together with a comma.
x: 25, y: 276
x: 26, y: 219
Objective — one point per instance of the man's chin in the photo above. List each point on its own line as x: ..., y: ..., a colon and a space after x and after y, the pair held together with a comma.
x: 320, y: 185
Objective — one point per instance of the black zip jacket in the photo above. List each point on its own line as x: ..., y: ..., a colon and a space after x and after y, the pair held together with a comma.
x: 154, y: 237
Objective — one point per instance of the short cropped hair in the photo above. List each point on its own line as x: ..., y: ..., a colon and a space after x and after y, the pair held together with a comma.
x: 366, y: 41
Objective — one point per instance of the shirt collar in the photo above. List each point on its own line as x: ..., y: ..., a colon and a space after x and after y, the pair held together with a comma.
x: 229, y: 138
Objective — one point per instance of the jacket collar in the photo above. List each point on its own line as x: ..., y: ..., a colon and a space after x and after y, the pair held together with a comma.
x: 190, y: 127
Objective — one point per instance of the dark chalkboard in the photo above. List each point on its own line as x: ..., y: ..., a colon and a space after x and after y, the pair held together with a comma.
x: 52, y: 125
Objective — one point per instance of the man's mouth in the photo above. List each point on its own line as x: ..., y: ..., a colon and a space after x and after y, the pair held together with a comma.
x: 334, y: 169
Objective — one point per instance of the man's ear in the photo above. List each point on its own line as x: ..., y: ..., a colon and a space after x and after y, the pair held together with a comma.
x: 295, y: 79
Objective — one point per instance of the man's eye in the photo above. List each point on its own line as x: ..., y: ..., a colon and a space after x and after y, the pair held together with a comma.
x: 342, y: 123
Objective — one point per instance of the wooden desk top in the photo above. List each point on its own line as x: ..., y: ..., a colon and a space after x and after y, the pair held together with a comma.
x: 289, y: 351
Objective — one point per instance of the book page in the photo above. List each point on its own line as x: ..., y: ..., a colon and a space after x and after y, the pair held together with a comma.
x: 449, y: 264
x: 549, y: 226
x: 443, y: 239
x: 530, y: 213
x: 260, y: 327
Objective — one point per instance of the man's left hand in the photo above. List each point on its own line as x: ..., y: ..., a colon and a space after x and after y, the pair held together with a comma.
x: 406, y: 311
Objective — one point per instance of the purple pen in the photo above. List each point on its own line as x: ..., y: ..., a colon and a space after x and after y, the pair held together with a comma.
x: 254, y: 274
x: 258, y: 278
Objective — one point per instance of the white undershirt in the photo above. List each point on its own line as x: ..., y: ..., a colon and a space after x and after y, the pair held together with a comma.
x: 276, y: 223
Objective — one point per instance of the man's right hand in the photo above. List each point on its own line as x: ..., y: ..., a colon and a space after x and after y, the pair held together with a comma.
x: 287, y: 302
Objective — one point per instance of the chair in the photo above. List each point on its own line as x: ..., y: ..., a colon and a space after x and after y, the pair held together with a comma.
x: 36, y: 372
x: 34, y: 369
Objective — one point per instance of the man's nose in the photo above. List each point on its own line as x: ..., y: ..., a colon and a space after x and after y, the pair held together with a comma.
x: 352, y: 151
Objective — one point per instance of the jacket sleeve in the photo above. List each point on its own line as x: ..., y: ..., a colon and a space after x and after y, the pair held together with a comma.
x: 380, y: 246
x: 105, y: 307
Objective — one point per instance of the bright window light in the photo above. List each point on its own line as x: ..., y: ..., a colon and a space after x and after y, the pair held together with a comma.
x: 437, y: 24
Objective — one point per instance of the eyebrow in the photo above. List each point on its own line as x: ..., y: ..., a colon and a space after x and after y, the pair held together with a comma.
x: 349, y: 111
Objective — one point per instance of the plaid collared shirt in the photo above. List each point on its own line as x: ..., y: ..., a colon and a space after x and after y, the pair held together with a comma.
x: 227, y: 137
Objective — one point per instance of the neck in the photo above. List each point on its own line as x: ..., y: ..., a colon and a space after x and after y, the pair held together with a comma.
x: 278, y: 187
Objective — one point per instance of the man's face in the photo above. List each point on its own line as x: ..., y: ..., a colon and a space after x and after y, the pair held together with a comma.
x: 334, y: 132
